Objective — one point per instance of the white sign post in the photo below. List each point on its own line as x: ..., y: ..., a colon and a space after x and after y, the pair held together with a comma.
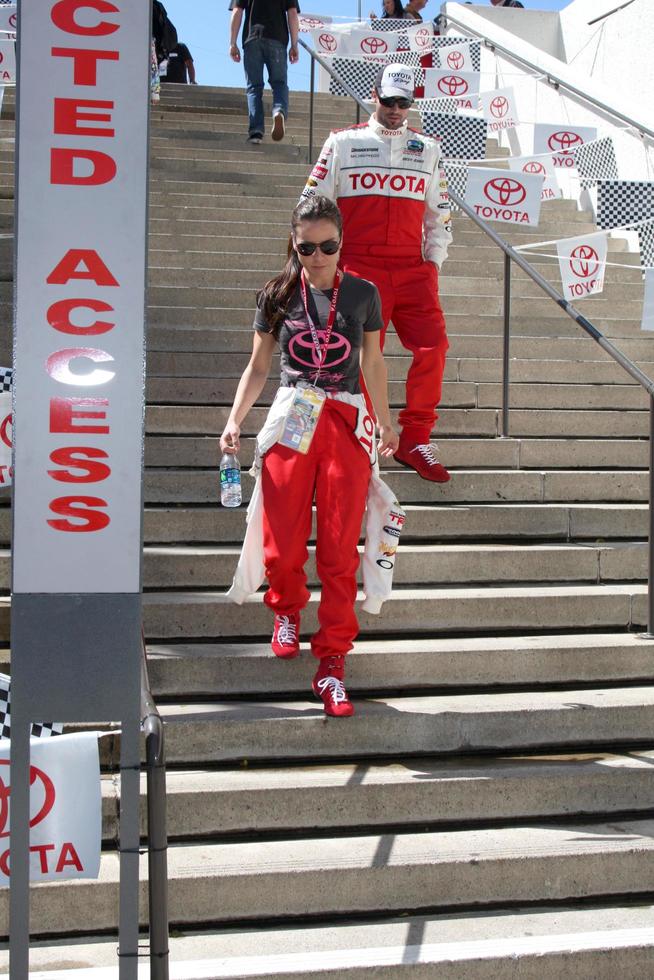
x: 81, y: 237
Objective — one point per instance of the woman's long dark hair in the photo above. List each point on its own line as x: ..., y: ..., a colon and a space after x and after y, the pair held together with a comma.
x: 397, y: 12
x: 275, y: 296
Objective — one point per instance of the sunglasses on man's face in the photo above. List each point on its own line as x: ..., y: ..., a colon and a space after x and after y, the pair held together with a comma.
x: 330, y: 247
x: 394, y: 101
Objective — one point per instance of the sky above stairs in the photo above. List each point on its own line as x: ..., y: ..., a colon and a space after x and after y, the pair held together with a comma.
x: 203, y: 25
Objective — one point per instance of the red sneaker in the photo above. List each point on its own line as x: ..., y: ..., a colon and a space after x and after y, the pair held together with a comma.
x: 422, y: 458
x: 328, y: 686
x: 285, y: 642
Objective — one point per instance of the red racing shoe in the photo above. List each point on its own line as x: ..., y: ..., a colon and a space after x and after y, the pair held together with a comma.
x: 328, y: 686
x: 285, y: 641
x: 421, y: 457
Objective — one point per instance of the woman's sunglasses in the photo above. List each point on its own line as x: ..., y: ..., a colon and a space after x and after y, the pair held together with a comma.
x: 330, y: 247
x: 394, y: 101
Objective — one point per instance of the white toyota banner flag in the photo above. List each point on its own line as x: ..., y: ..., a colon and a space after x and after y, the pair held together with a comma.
x: 456, y: 57
x: 7, y: 60
x: 498, y: 196
x: 560, y: 139
x: 462, y: 86
x: 421, y: 37
x: 8, y: 18
x: 499, y: 109
x: 582, y: 262
x: 648, y: 302
x: 348, y: 43
x: 539, y: 165
x: 65, y: 808
x: 312, y: 22
x: 6, y: 423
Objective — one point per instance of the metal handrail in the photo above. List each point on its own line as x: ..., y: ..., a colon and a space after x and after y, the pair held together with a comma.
x: 552, y: 79
x: 155, y: 761
x: 511, y: 255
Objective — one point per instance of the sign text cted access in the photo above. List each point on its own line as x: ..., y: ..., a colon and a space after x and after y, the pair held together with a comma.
x: 80, y: 282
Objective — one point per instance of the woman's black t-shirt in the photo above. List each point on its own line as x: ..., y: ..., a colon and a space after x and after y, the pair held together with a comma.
x: 358, y: 311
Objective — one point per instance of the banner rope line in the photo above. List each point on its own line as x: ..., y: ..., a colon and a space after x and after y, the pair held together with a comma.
x: 553, y: 255
x: 644, y: 222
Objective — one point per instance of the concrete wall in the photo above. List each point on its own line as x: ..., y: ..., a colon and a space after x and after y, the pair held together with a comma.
x: 542, y: 28
x: 618, y: 51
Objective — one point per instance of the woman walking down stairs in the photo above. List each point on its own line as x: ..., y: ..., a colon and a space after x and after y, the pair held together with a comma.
x: 487, y: 811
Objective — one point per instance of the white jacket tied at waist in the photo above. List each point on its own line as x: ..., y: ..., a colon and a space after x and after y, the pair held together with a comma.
x: 384, y: 520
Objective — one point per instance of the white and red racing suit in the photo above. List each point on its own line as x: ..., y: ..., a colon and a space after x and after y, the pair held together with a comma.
x: 392, y: 192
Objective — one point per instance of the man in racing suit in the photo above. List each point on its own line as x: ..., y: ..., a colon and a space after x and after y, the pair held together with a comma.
x: 390, y: 187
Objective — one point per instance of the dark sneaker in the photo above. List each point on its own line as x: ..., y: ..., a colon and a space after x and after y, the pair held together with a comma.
x: 278, y: 127
x: 422, y: 458
x: 328, y: 686
x: 285, y: 641
x: 255, y: 138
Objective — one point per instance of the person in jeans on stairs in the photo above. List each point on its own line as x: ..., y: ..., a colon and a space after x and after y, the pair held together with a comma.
x: 265, y: 40
x: 389, y: 184
x: 326, y: 325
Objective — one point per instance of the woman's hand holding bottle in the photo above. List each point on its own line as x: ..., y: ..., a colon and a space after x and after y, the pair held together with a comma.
x: 230, y: 440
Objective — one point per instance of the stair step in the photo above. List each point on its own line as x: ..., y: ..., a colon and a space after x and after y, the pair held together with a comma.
x: 211, y: 669
x: 525, y: 943
x: 200, y: 614
x: 369, y: 874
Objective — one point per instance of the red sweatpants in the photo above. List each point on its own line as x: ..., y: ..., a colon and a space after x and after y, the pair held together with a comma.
x: 337, y: 471
x: 409, y: 293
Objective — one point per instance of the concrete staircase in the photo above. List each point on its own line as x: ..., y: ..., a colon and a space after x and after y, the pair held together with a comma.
x: 487, y: 813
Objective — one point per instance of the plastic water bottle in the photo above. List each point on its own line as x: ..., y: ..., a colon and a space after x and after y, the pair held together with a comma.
x: 230, y: 481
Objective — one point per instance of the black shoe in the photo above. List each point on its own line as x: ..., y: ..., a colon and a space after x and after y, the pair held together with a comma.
x: 255, y: 138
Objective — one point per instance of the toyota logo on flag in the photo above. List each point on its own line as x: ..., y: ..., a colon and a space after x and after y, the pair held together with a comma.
x: 499, y: 107
x: 311, y: 22
x: 42, y: 798
x: 564, y: 141
x: 452, y: 85
x: 374, y: 45
x: 584, y: 261
x: 328, y: 42
x: 534, y: 167
x: 505, y: 191
x: 423, y: 38
x: 13, y: 20
x: 455, y: 60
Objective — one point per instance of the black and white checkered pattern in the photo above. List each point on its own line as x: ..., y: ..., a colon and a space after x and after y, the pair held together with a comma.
x: 457, y: 178
x: 6, y: 374
x: 646, y: 241
x: 596, y: 161
x: 623, y: 202
x: 444, y: 42
x: 39, y: 729
x: 360, y: 75
x: 445, y: 105
x: 463, y: 137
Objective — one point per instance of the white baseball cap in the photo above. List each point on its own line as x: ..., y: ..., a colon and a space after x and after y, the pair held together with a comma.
x: 395, y: 80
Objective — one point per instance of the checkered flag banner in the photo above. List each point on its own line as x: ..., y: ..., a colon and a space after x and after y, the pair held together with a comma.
x: 457, y: 178
x: 624, y: 202
x: 463, y: 137
x: 446, y: 105
x: 360, y: 75
x: 646, y: 241
x: 475, y: 48
x: 6, y: 374
x: 39, y: 729
x: 627, y: 202
x: 596, y: 161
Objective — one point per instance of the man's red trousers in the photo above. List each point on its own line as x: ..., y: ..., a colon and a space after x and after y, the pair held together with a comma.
x: 336, y: 470
x: 409, y: 293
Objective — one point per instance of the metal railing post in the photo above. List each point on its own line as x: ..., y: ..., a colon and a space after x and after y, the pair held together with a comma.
x: 650, y: 543
x: 152, y: 726
x: 312, y: 91
x: 506, y: 364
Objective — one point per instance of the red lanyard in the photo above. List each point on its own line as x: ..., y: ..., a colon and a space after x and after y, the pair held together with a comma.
x: 321, y: 350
